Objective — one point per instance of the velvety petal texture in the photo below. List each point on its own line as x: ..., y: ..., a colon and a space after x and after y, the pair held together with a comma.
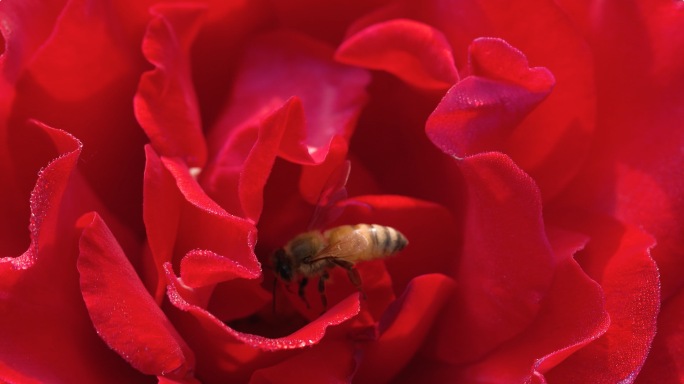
x: 175, y: 178
x: 44, y: 327
x: 480, y: 112
x: 123, y: 314
x: 412, y: 51
x: 168, y: 88
x: 497, y: 298
x: 283, y: 114
x: 184, y: 223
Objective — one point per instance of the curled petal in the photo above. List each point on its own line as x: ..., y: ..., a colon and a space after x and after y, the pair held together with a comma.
x: 404, y: 327
x: 165, y: 102
x: 44, y: 326
x: 200, y: 268
x: 415, y: 52
x: 181, y: 218
x: 618, y: 257
x: 123, y: 313
x: 496, y: 59
x: 295, y: 66
x: 665, y: 362
x: 552, y: 142
x: 25, y: 26
x: 507, y: 265
x: 636, y: 174
x: 229, y: 354
x: 309, y: 335
x: 46, y: 195
x: 573, y: 314
x: 479, y: 113
x: 291, y: 100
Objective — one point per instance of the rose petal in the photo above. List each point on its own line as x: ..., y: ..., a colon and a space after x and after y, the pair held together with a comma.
x: 327, y: 362
x: 44, y: 327
x: 316, y: 178
x: 332, y: 94
x: 259, y: 162
x: 327, y: 21
x: 617, y: 258
x: 84, y: 76
x: 281, y: 73
x: 227, y: 306
x: 25, y: 26
x: 306, y: 336
x: 226, y: 354
x: 404, y: 327
x: 70, y: 64
x: 496, y: 59
x: 415, y: 52
x: 507, y: 265
x: 9, y: 375
x: 122, y: 311
x: 393, y: 153
x: 161, y: 212
x: 168, y: 380
x: 181, y: 218
x: 47, y: 193
x: 572, y: 315
x: 665, y: 363
x: 165, y: 102
x: 635, y: 173
x: 479, y: 113
x: 200, y: 268
x: 552, y: 141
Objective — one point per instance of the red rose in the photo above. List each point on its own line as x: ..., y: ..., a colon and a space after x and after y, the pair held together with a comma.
x: 160, y: 154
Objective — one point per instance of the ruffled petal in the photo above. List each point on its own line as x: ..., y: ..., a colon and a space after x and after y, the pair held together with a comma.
x: 635, y: 172
x: 665, y: 361
x: 82, y: 79
x: 285, y: 80
x: 25, y: 27
x: 44, y: 327
x: 165, y: 102
x: 480, y: 113
x: 403, y: 328
x: 507, y: 265
x: 46, y: 196
x: 618, y: 258
x: 124, y: 314
x: 227, y: 354
x: 415, y: 52
x: 572, y: 315
x: 552, y: 142
x: 180, y: 219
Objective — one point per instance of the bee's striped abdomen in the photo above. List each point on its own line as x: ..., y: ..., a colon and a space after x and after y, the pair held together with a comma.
x: 383, y: 240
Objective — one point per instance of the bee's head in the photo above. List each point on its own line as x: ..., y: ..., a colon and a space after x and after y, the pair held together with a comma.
x: 282, y: 265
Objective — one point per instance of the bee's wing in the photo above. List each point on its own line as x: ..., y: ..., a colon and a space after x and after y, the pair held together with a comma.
x: 333, y: 191
x: 346, y: 247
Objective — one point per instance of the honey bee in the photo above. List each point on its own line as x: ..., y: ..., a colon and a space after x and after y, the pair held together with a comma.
x: 314, y: 253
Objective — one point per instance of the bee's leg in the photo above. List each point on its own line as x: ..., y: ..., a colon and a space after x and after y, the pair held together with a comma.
x: 302, y: 284
x: 353, y: 274
x: 321, y: 289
